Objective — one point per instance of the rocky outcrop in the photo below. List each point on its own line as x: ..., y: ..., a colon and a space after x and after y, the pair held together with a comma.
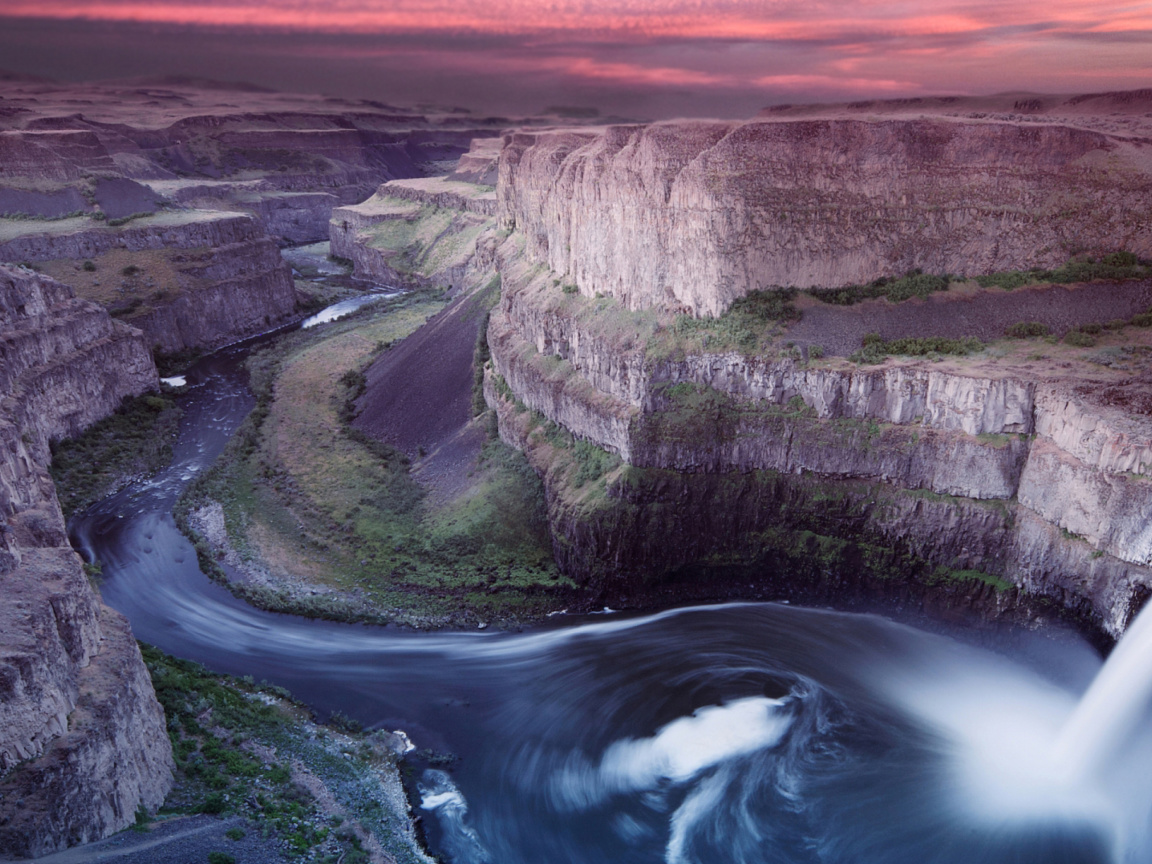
x: 82, y: 738
x: 694, y: 215
x: 481, y: 164
x: 230, y: 281
x: 432, y: 231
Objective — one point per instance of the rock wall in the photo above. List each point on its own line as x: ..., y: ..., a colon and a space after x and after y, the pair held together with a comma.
x: 1071, y: 472
x: 232, y: 281
x: 693, y: 215
x: 82, y: 738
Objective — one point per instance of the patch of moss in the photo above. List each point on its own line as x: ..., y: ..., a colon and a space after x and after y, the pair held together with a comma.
x: 233, y: 742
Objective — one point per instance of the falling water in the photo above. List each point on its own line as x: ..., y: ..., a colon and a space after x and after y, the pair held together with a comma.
x: 1106, y: 716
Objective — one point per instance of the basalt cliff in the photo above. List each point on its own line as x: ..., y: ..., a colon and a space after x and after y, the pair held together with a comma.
x: 82, y: 739
x: 695, y: 215
x: 677, y: 448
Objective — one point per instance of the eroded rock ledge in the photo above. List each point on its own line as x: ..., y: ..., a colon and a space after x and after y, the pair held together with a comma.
x: 82, y: 738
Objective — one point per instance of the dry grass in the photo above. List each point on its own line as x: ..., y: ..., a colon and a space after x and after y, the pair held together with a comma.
x: 155, y: 278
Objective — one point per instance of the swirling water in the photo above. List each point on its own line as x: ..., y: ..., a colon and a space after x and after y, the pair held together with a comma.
x: 736, y: 733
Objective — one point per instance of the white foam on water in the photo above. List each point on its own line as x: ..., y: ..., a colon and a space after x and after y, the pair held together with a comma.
x: 690, y: 745
x: 704, y: 799
x: 344, y: 307
x: 174, y: 381
x: 439, y: 795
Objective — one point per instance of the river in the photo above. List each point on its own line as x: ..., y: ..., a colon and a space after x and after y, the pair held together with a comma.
x: 736, y: 733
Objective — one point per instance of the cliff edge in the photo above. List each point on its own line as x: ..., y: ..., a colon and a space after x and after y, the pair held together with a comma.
x: 82, y: 737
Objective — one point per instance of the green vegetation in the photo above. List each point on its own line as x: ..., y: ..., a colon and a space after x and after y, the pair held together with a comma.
x: 913, y: 284
x: 801, y: 533
x: 175, y: 362
x: 591, y: 463
x: 1026, y: 330
x: 135, y: 440
x: 1079, y: 339
x: 875, y: 349
x: 748, y: 325
x: 1117, y: 265
x: 131, y: 217
x: 243, y: 749
x: 422, y: 239
x: 327, y: 506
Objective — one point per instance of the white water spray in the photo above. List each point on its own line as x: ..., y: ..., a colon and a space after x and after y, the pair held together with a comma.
x: 1110, y: 710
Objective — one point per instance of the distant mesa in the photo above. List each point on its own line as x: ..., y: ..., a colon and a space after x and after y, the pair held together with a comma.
x: 578, y: 112
x: 195, y: 82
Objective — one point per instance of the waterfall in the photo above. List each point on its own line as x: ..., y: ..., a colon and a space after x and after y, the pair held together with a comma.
x: 1112, y: 706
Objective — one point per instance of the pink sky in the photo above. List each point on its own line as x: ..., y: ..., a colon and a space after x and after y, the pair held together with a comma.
x: 710, y: 51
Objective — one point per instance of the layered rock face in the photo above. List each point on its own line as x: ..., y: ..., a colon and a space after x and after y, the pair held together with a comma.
x: 82, y: 738
x: 691, y: 216
x: 228, y: 279
x: 433, y: 231
x: 1030, y: 480
x: 975, y: 467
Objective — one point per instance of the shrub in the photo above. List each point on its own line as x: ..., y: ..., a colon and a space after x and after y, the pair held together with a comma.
x: 1144, y: 319
x: 767, y: 305
x: 1027, y: 329
x: 912, y: 284
x: 130, y: 270
x: 1010, y: 279
x: 214, y: 804
x: 815, y: 352
x: 88, y: 266
x: 746, y: 322
x: 1091, y: 328
x: 875, y: 348
x: 1078, y: 339
x: 220, y: 858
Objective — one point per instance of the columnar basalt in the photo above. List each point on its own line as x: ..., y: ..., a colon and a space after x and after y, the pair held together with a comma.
x: 82, y: 738
x: 693, y: 215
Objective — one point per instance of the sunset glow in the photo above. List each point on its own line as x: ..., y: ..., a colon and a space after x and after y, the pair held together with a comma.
x: 776, y: 49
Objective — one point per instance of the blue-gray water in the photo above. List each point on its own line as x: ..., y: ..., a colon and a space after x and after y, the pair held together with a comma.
x: 738, y: 733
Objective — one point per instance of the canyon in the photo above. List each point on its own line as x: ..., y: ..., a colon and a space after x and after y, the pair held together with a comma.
x: 167, y: 203
x: 139, y: 222
x: 682, y: 456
